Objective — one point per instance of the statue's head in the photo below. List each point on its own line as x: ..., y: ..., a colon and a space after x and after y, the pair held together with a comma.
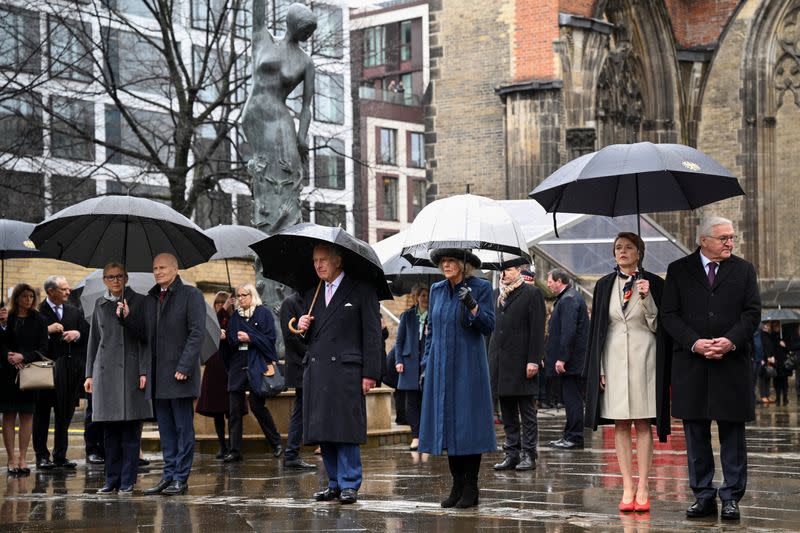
x: 300, y: 21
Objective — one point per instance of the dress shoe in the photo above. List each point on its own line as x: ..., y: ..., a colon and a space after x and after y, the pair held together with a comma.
x: 568, y: 445
x: 94, y: 459
x: 327, y: 495
x: 554, y: 442
x: 126, y: 490
x: 526, y: 462
x: 44, y: 464
x: 509, y: 462
x: 348, y: 496
x: 233, y: 457
x: 23, y: 471
x: 298, y: 464
x: 702, y: 507
x: 107, y: 489
x: 277, y: 451
x: 221, y: 453
x: 158, y: 489
x: 143, y: 462
x: 642, y: 507
x: 730, y: 510
x: 175, y: 488
x: 66, y: 465
x: 12, y: 470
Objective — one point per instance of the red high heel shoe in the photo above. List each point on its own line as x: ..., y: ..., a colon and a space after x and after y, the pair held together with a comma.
x: 627, y: 507
x: 641, y: 507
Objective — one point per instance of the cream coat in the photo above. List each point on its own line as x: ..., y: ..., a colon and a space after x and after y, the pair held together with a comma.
x: 629, y: 358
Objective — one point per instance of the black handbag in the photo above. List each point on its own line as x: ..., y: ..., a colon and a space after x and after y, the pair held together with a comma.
x: 270, y: 382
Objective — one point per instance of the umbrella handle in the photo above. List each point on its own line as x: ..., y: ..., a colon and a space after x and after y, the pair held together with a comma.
x: 290, y: 325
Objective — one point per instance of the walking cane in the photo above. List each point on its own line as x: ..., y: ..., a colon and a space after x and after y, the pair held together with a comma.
x: 313, y: 301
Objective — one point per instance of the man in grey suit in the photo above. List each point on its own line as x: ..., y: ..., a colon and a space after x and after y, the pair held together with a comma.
x: 172, y: 321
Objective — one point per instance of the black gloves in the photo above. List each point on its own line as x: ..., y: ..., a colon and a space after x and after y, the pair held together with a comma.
x: 465, y: 295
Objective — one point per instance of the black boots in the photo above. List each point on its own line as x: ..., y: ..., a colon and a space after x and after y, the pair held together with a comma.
x: 464, y: 469
x: 458, y: 481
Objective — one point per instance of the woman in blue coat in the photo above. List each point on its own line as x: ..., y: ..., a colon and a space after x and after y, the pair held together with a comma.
x: 408, y: 351
x: 457, y: 398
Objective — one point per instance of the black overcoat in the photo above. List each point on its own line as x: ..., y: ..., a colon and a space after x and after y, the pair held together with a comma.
x: 292, y: 307
x: 567, y: 333
x: 711, y: 389
x: 344, y: 345
x: 72, y: 319
x: 598, y: 328
x: 517, y: 340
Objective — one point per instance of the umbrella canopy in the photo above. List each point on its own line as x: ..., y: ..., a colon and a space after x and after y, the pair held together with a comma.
x: 466, y: 222
x: 627, y: 179
x: 92, y: 287
x: 14, y: 243
x: 132, y: 230
x: 234, y: 241
x: 781, y: 315
x: 286, y: 257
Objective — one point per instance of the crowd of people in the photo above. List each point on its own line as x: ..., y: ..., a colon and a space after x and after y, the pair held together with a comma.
x: 683, y: 347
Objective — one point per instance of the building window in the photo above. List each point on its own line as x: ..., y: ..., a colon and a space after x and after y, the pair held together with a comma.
x: 328, y: 163
x: 21, y: 124
x: 305, y: 211
x: 206, y: 14
x: 156, y: 128
x: 405, y: 40
x: 213, y: 207
x: 68, y: 190
x: 211, y: 163
x: 157, y: 193
x: 384, y: 233
x: 209, y: 76
x: 387, y: 153
x: 417, y: 196
x: 406, y: 88
x: 374, y: 46
x: 19, y: 40
x: 333, y: 215
x: 329, y: 98
x: 131, y: 7
x: 23, y: 196
x: 416, y: 150
x: 72, y: 128
x: 387, y: 197
x: 70, y: 50
x: 142, y: 68
x: 328, y: 37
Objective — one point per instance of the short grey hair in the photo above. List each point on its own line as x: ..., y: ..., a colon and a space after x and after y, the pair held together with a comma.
x: 335, y: 250
x: 704, y: 228
x: 559, y: 274
x: 52, y: 282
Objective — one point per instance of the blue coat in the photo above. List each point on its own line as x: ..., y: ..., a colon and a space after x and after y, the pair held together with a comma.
x: 406, y: 350
x: 260, y: 327
x: 457, y: 398
x: 567, y: 333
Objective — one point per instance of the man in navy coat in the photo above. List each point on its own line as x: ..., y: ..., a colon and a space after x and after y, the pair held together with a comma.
x: 342, y: 363
x: 710, y: 308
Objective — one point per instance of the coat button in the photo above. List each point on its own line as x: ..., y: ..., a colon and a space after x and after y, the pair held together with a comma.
x: 711, y: 314
x: 313, y: 359
x: 333, y: 358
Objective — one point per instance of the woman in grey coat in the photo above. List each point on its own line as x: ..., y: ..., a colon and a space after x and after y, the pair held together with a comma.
x: 117, y: 371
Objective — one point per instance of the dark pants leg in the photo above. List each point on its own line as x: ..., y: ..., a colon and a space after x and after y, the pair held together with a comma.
x: 733, y: 456
x: 131, y: 442
x: 175, y: 419
x: 401, y: 417
x: 68, y: 386
x: 236, y: 406
x: 219, y: 428
x: 510, y: 412
x: 264, y: 417
x: 167, y: 436
x: 113, y: 447
x: 573, y: 402
x: 763, y: 385
x: 343, y: 465
x: 700, y: 458
x: 93, y: 437
x: 294, y: 438
x: 530, y: 426
x: 45, y: 402
x: 781, y: 388
x: 413, y: 410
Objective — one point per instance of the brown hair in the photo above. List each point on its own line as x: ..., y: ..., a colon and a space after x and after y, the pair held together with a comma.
x: 632, y: 237
x: 221, y: 297
x: 16, y: 293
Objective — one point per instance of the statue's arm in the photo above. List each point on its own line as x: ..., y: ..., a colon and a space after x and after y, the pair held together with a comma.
x: 305, y: 113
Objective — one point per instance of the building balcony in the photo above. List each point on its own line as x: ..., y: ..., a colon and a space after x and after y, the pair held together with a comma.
x: 405, y: 98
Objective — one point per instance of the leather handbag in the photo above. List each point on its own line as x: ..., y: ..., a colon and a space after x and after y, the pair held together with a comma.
x: 270, y: 382
x: 37, y: 375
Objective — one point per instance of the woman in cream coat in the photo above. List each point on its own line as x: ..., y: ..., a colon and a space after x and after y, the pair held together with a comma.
x: 625, y: 365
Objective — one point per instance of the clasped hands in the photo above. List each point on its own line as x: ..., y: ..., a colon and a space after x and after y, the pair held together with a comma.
x: 67, y: 336
x: 713, y: 348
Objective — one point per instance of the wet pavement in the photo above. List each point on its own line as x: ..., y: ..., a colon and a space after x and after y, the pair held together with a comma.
x: 569, y: 491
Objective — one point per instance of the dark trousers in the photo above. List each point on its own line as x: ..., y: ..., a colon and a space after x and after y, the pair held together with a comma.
x: 573, y: 403
x: 122, y: 442
x: 401, y: 416
x: 175, y: 419
x: 512, y: 409
x: 61, y: 400
x: 733, y: 456
x: 413, y: 410
x: 93, y: 437
x: 763, y: 385
x: 343, y: 465
x: 781, y: 384
x: 294, y: 439
x: 262, y: 414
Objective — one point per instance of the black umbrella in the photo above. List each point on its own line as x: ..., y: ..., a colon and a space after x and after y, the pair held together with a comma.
x: 628, y: 179
x: 402, y: 275
x: 15, y: 243
x: 133, y: 230
x: 286, y: 257
x: 233, y: 242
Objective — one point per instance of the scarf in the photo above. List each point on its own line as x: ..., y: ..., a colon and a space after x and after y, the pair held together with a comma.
x: 110, y: 297
x: 422, y: 318
x: 246, y: 313
x: 505, y: 290
x: 627, y: 289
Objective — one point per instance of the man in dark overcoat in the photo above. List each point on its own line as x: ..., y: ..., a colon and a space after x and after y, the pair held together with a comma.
x: 515, y: 349
x: 567, y: 338
x: 710, y: 308
x: 68, y: 331
x: 172, y: 319
x: 342, y: 363
x: 292, y: 306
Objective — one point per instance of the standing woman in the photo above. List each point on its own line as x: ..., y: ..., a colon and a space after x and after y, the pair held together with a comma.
x: 457, y: 397
x: 408, y: 350
x: 251, y: 329
x: 625, y: 369
x: 117, y: 377
x: 22, y: 340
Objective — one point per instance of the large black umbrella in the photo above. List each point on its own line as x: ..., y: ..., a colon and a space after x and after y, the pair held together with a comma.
x: 286, y: 257
x: 132, y: 230
x: 233, y: 242
x: 15, y: 243
x: 627, y: 179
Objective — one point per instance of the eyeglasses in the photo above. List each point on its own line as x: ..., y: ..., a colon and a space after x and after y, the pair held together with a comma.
x: 115, y: 277
x: 243, y: 295
x: 723, y: 238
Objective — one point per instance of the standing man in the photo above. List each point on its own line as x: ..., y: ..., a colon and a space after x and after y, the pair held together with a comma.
x: 567, y: 337
x: 342, y: 363
x: 172, y: 321
x: 68, y: 331
x: 710, y: 308
x: 292, y: 306
x: 515, y: 350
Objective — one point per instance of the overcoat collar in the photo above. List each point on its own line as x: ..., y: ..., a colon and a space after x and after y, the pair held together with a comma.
x: 323, y: 313
x: 696, y: 268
